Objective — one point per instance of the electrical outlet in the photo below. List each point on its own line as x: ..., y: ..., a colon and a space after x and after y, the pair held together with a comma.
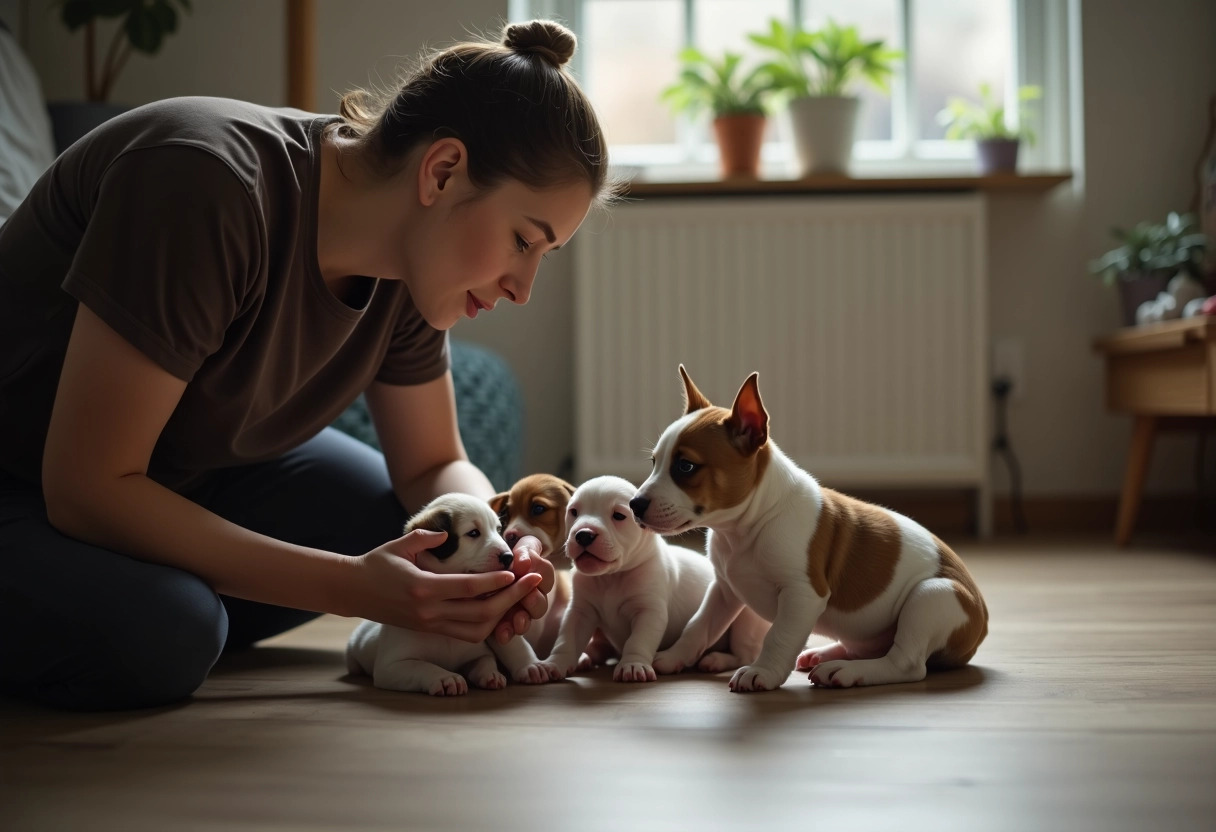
x: 1008, y: 360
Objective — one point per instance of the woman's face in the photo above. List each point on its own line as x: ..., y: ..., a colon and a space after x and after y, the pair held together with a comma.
x: 474, y: 249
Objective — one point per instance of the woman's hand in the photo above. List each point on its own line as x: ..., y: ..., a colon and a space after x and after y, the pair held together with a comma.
x: 392, y: 589
x: 535, y: 604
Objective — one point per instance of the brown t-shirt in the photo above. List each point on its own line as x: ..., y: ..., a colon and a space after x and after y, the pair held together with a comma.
x: 190, y: 227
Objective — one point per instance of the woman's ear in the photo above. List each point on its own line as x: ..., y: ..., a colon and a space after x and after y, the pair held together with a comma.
x: 443, y: 163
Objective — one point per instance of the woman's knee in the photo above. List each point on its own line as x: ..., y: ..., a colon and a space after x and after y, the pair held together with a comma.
x: 152, y: 648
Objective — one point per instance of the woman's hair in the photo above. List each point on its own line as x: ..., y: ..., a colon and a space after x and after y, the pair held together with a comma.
x: 519, y: 113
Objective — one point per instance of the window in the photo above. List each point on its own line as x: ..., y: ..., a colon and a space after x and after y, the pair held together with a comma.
x: 628, y: 53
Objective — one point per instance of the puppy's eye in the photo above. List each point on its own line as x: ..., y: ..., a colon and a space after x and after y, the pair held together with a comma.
x: 538, y: 509
x: 474, y: 534
x: 617, y: 516
x: 574, y: 512
x: 684, y: 466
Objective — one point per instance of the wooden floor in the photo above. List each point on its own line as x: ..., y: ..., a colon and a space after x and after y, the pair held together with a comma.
x: 1092, y: 706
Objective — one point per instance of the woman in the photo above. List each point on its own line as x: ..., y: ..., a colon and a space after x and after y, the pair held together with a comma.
x: 192, y: 293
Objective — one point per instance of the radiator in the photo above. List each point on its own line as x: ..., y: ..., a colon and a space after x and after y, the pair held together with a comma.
x: 865, y: 317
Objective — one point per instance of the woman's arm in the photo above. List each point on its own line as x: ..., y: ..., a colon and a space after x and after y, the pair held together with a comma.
x: 418, y: 432
x: 110, y: 408
x: 416, y: 426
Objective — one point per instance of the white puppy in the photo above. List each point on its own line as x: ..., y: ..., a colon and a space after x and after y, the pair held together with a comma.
x: 637, y: 588
x: 401, y: 659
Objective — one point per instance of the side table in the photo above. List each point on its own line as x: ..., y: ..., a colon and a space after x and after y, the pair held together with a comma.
x: 1164, y: 374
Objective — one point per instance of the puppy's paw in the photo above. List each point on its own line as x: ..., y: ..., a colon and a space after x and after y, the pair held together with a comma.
x: 633, y: 672
x: 816, y: 656
x: 669, y: 661
x: 452, y: 685
x: 536, y: 673
x: 557, y: 668
x: 717, y: 662
x: 491, y: 680
x: 837, y: 674
x: 753, y: 678
x: 585, y: 663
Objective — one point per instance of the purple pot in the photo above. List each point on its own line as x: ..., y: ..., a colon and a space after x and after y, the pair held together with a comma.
x: 1137, y: 287
x: 998, y: 155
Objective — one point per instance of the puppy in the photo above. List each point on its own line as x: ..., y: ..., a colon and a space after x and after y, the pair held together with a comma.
x: 638, y: 589
x: 536, y: 505
x: 408, y: 660
x: 895, y: 598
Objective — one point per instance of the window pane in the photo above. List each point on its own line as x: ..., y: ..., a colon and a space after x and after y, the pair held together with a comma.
x: 958, y: 46
x: 874, y: 19
x: 724, y: 24
x: 631, y: 50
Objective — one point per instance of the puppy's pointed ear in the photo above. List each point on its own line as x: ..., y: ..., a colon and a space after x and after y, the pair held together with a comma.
x: 436, y: 520
x: 748, y: 422
x: 693, y: 400
x: 499, y: 502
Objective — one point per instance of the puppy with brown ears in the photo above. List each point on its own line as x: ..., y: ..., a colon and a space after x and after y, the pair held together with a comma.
x: 896, y: 599
x: 409, y: 660
x: 536, y: 505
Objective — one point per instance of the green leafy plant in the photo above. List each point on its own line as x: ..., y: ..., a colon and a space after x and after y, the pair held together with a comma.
x: 824, y: 62
x: 1153, y: 247
x: 718, y: 86
x: 143, y: 27
x: 966, y: 119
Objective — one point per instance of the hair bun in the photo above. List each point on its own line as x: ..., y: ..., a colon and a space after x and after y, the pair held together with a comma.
x: 552, y: 41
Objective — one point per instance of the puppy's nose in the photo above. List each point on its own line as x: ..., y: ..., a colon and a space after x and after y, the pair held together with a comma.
x: 638, y: 506
x: 585, y: 537
x: 505, y: 559
x: 512, y: 538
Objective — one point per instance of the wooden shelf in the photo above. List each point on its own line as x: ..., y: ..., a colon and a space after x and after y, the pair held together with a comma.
x: 837, y: 183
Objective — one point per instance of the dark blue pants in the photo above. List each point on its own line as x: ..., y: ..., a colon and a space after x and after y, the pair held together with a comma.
x: 86, y: 628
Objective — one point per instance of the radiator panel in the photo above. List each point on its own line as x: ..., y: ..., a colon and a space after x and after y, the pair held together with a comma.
x: 865, y: 318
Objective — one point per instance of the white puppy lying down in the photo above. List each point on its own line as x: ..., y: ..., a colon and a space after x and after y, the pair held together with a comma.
x: 401, y: 659
x: 637, y: 588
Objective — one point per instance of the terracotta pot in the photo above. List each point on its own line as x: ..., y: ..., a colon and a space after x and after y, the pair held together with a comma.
x: 739, y: 141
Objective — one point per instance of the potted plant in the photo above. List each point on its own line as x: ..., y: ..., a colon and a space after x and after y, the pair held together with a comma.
x: 736, y: 99
x: 816, y: 70
x: 142, y: 27
x: 1149, y: 259
x: 996, y: 141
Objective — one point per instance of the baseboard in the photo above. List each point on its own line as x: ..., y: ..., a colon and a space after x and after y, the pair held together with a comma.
x: 953, y: 512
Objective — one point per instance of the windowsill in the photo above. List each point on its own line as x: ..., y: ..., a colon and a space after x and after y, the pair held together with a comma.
x: 922, y: 182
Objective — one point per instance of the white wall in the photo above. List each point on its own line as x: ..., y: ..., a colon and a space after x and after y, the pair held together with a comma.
x: 1148, y: 70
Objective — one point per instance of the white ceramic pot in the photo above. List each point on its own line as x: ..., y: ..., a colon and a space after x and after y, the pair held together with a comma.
x: 824, y: 129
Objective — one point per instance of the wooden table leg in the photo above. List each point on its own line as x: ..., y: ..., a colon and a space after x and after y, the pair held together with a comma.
x: 1133, y: 478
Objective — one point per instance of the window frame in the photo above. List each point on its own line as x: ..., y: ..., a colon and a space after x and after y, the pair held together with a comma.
x: 1043, y: 34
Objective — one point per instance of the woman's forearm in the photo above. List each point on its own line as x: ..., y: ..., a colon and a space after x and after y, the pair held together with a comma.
x: 139, y: 517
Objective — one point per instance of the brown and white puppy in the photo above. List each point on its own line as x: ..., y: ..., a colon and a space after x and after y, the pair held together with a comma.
x: 896, y: 599
x: 536, y: 505
x: 636, y: 588
x: 408, y: 660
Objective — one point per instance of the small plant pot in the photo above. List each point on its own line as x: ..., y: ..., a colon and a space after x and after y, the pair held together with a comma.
x: 1137, y: 287
x: 824, y: 129
x: 740, y: 138
x: 997, y: 155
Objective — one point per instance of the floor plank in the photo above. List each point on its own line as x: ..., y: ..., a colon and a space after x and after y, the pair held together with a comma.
x: 1092, y: 705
